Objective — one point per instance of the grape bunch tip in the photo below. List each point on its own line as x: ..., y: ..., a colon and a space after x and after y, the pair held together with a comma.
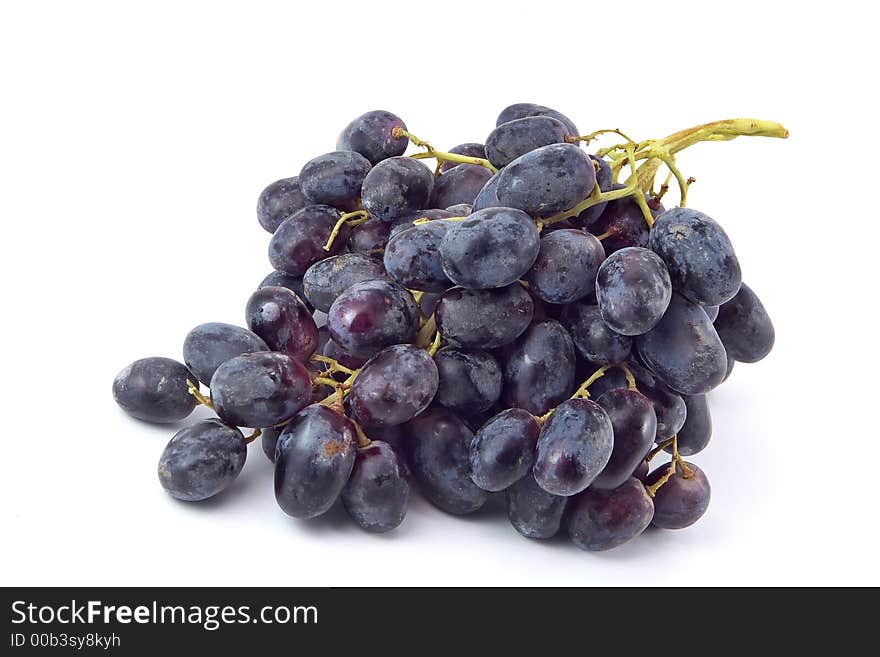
x: 524, y: 317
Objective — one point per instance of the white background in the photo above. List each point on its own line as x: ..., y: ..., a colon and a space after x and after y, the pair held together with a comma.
x: 135, y: 139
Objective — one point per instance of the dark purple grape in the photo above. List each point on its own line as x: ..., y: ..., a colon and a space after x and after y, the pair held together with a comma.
x: 635, y: 426
x: 395, y: 187
x: 682, y: 500
x: 605, y: 182
x: 633, y: 290
x: 696, y: 431
x: 488, y: 196
x: 412, y: 257
x: 327, y: 279
x: 460, y: 185
x: 208, y: 346
x: 503, y: 449
x: 591, y: 336
x: 684, y: 350
x: 437, y: 446
x: 539, y: 368
x: 341, y: 356
x: 314, y: 458
x: 603, y: 519
x: 521, y: 110
x: 334, y: 178
x: 393, y: 386
x: 698, y: 254
x: 369, y: 237
x: 745, y: 327
x: 573, y: 448
x: 532, y: 511
x: 279, y: 317
x: 377, y: 493
x: 510, y: 140
x: 155, y: 390
x: 470, y: 379
x: 299, y: 241
x: 260, y: 390
x: 566, y: 266
x: 269, y: 440
x: 484, y: 319
x: 202, y: 460
x: 641, y: 472
x: 292, y: 283
x: 371, y: 135
x: 490, y: 248
x: 622, y: 224
x: 372, y: 315
x: 469, y: 149
x: 712, y: 312
x: 461, y: 209
x: 278, y: 201
x: 670, y: 407
x: 547, y: 180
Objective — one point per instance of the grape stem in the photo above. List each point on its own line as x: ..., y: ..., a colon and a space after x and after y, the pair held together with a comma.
x: 630, y: 379
x: 363, y: 441
x: 582, y: 392
x: 686, y: 472
x: 350, y: 218
x: 334, y: 364
x: 254, y: 435
x: 195, y: 392
x: 423, y: 220
x: 440, y: 156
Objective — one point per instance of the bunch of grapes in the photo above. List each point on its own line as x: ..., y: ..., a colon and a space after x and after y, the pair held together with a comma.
x: 526, y: 318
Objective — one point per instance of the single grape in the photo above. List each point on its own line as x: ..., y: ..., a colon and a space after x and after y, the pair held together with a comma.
x: 633, y: 290
x: 503, y: 449
x: 314, y: 458
x: 510, y: 140
x: 490, y: 248
x: 698, y: 254
x: 155, y: 390
x: 469, y: 149
x: 292, y: 283
x: 488, y: 196
x: 371, y: 135
x: 621, y: 224
x: 269, y: 440
x: 470, y: 379
x: 605, y: 183
x: 566, y: 266
x: 341, y: 356
x: 327, y: 279
x: 460, y: 209
x: 334, y: 178
x: 669, y: 406
x: 539, y: 368
x: 484, y: 319
x: 603, y: 519
x: 745, y: 327
x: 574, y: 447
x: 522, y: 110
x: 260, y: 390
x: 696, y: 431
x: 460, y: 185
x: 437, y: 446
x: 377, y: 493
x: 641, y: 472
x: 412, y: 257
x: 278, y: 201
x: 547, y: 180
x: 684, y: 350
x: 532, y: 511
x: 393, y: 386
x: 635, y: 426
x: 593, y: 339
x: 202, y: 460
x: 369, y: 237
x: 208, y: 346
x: 279, y: 317
x: 369, y: 316
x: 395, y: 187
x: 682, y: 500
x: 299, y: 241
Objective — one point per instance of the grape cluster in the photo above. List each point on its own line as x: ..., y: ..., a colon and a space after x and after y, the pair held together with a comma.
x: 523, y: 319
